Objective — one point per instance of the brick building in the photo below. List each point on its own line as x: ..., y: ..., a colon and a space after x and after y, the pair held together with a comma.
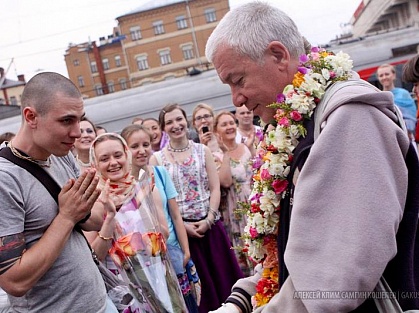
x: 160, y: 40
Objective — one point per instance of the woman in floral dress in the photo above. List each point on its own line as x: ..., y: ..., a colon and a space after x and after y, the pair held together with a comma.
x: 235, y: 174
x: 193, y: 171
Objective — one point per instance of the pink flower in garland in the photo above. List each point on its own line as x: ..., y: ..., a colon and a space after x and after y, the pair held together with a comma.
x: 253, y: 232
x: 284, y: 121
x: 279, y: 185
x: 265, y: 174
x: 280, y: 98
x: 296, y: 116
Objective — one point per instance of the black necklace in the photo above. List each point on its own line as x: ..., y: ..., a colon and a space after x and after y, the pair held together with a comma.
x: 170, y: 148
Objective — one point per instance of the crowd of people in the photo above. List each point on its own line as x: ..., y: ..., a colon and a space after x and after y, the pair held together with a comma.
x: 317, y: 200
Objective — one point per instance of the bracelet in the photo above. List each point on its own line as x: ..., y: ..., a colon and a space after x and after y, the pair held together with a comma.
x: 215, y: 213
x: 104, y: 238
x: 208, y: 223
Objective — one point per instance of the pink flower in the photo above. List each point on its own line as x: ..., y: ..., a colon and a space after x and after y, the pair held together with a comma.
x: 259, y: 134
x: 303, y: 70
x: 315, y: 49
x: 296, y: 116
x: 332, y: 74
x: 280, y: 98
x: 303, y: 58
x: 257, y: 162
x: 283, y: 121
x: 279, y: 185
x: 253, y: 232
x: 265, y: 174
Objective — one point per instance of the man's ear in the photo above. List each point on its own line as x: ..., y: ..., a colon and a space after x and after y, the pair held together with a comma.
x: 30, y: 116
x: 280, y: 54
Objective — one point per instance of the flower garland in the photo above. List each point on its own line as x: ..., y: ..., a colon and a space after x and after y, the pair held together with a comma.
x: 271, y: 166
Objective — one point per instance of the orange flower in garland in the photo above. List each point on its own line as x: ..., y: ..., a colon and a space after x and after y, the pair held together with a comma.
x: 272, y: 162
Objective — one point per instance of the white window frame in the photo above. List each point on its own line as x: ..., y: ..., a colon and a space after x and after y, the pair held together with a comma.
x: 165, y: 57
x: 118, y: 61
x: 181, y: 22
x: 135, y: 33
x: 93, y: 67
x: 111, y: 87
x: 142, y: 62
x: 158, y: 27
x: 99, y: 90
x: 210, y: 15
x: 105, y: 63
x: 187, y: 51
x: 76, y: 62
x: 80, y: 80
x: 123, y: 83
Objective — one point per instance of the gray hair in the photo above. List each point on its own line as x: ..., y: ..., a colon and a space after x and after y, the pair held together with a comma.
x: 251, y: 27
x: 41, y: 91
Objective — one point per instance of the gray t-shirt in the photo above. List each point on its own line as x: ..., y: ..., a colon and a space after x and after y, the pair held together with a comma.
x: 73, y: 283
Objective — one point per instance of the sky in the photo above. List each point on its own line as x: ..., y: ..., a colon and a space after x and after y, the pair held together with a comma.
x: 36, y: 33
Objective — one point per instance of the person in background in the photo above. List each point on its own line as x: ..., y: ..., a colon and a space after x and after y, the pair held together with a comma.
x: 100, y: 130
x: 411, y: 75
x: 82, y: 144
x: 7, y: 136
x: 193, y: 171
x: 160, y: 138
x: 345, y: 186
x: 247, y: 133
x: 235, y: 174
x: 203, y: 122
x: 139, y: 141
x: 137, y: 120
x: 45, y: 263
x: 386, y: 76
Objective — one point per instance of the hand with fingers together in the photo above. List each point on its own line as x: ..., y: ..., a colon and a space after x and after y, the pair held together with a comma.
x: 77, y: 197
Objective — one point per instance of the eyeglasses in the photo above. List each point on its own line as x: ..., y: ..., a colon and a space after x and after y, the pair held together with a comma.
x: 205, y: 116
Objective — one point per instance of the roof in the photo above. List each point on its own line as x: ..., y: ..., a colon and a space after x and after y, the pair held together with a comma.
x: 11, y: 83
x: 153, y: 4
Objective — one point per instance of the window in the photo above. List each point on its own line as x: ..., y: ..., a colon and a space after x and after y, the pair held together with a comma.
x: 181, y: 22
x: 105, y: 63
x: 76, y: 62
x: 210, y: 15
x: 187, y: 52
x: 158, y: 28
x: 81, y: 81
x: 99, y: 90
x: 135, y: 33
x: 165, y: 57
x: 117, y: 61
x: 13, y: 100
x: 111, y: 87
x: 123, y: 83
x: 93, y: 67
x: 142, y: 62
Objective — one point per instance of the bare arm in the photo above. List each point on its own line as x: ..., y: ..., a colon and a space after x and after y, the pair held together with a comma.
x: 180, y: 229
x: 101, y: 240
x: 160, y: 215
x: 214, y: 187
x: 75, y: 202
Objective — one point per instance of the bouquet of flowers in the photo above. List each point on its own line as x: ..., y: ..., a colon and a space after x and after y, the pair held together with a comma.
x: 139, y: 251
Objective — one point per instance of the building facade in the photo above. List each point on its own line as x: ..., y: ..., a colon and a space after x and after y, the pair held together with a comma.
x: 158, y: 41
x: 11, y: 90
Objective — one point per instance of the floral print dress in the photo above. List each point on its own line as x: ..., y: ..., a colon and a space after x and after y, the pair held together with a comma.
x: 234, y: 221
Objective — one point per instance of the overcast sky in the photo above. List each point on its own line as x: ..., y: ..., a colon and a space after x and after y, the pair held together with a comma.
x: 36, y: 33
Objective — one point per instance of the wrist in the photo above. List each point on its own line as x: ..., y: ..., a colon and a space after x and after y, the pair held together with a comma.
x: 105, y: 238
